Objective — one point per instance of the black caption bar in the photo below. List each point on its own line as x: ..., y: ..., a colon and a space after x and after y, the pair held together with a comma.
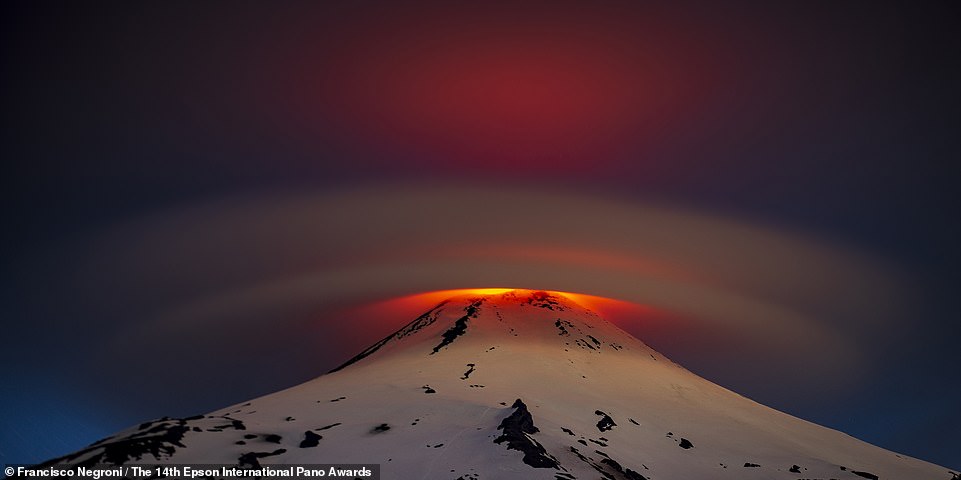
x: 367, y: 471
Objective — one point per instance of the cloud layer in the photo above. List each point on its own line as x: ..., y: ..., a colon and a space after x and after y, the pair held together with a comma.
x: 249, y: 269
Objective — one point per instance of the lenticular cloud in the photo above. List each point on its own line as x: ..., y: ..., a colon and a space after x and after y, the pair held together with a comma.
x: 249, y: 260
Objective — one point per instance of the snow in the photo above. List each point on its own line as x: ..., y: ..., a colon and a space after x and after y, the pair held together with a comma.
x: 567, y: 366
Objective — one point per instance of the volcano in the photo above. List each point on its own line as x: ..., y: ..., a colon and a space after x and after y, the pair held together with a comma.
x: 519, y: 384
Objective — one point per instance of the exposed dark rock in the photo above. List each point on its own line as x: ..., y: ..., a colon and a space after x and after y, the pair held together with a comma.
x: 159, y: 439
x: 628, y: 473
x: 600, y: 469
x: 468, y: 372
x: 613, y: 464
x: 422, y: 321
x: 560, y: 326
x: 251, y: 459
x: 583, y: 344
x: 606, y: 423
x: 869, y: 476
x: 634, y: 421
x: 544, y: 300
x: 427, y: 389
x: 273, y: 438
x: 460, y: 326
x: 235, y: 424
x: 310, y: 440
x: 518, y: 428
x: 332, y: 425
x: 795, y: 469
x: 632, y: 475
x: 521, y: 420
x: 752, y: 465
x: 686, y: 444
x: 380, y: 428
x: 568, y: 431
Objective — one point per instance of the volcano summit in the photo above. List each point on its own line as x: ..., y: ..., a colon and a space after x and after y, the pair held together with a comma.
x: 520, y: 384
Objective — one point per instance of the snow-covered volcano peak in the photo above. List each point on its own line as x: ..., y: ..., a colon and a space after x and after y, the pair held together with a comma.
x: 516, y: 384
x: 515, y: 318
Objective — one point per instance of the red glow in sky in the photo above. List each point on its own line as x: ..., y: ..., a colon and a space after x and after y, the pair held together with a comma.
x: 503, y: 86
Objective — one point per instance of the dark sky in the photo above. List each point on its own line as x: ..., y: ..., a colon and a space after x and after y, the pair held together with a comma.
x: 838, y: 120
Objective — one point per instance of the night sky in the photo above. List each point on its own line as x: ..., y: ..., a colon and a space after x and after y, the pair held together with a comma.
x: 205, y: 202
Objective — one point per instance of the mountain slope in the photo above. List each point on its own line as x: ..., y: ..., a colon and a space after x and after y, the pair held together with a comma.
x: 515, y: 385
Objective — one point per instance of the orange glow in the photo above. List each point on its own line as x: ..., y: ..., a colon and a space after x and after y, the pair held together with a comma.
x: 609, y: 308
x: 480, y: 291
x: 441, y: 295
x: 384, y: 316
